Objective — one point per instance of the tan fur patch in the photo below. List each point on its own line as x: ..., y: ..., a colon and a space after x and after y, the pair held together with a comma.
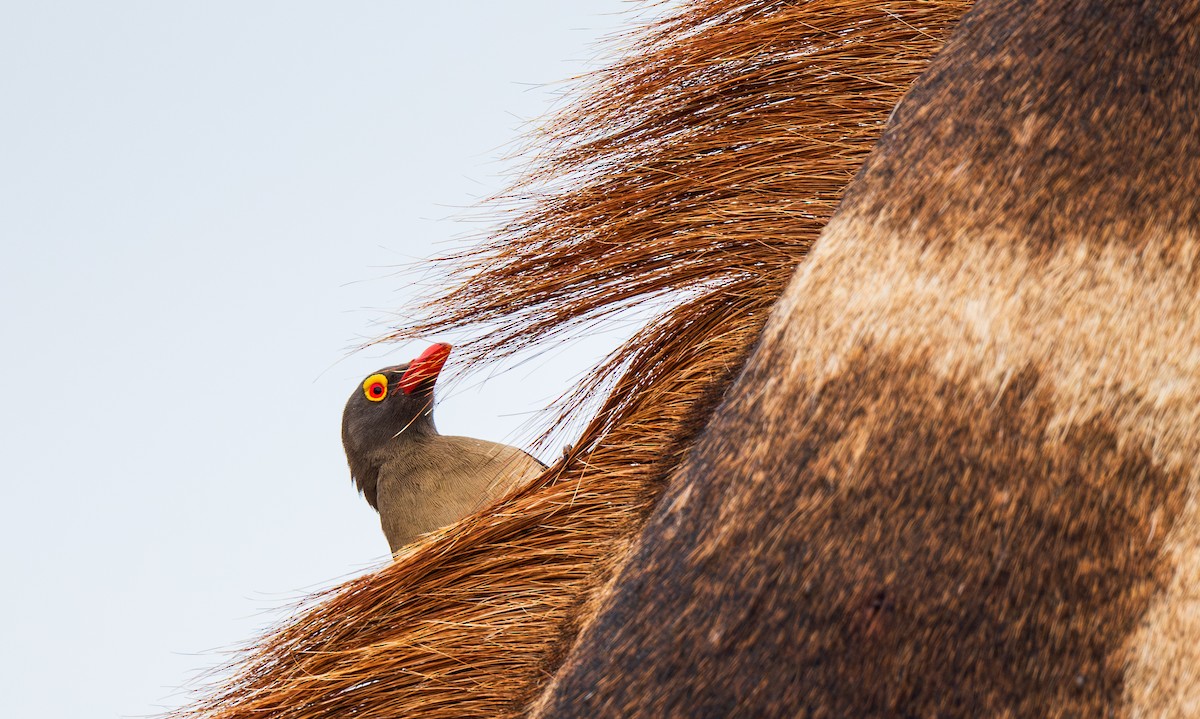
x: 1106, y: 326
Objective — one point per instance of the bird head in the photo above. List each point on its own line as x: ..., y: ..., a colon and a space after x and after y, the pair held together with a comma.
x: 389, y: 408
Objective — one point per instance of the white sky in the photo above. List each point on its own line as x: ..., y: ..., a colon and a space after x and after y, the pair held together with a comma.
x: 202, y: 206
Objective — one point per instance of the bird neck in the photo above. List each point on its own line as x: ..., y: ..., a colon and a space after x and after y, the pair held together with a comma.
x: 420, y: 428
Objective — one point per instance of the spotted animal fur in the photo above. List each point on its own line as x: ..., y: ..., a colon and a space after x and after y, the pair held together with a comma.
x: 958, y: 475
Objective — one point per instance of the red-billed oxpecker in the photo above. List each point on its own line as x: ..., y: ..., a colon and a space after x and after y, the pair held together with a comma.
x: 417, y: 479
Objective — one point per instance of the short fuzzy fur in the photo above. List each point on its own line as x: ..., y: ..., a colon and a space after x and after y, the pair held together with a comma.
x: 958, y: 477
x: 701, y: 167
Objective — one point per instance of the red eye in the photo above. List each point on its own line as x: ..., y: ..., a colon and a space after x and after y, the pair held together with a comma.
x: 375, y: 387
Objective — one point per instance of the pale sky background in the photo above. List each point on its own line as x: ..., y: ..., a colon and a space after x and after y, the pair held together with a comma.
x: 202, y: 209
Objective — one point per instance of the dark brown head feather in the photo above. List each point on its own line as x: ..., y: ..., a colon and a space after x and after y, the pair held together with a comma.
x: 368, y: 427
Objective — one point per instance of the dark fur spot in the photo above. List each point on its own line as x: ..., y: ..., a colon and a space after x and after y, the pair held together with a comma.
x: 901, y: 546
x: 1030, y: 123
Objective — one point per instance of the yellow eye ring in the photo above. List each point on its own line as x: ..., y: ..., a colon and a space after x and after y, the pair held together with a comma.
x: 375, y: 387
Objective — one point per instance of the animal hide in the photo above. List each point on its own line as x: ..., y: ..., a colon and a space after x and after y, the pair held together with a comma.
x: 958, y: 475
